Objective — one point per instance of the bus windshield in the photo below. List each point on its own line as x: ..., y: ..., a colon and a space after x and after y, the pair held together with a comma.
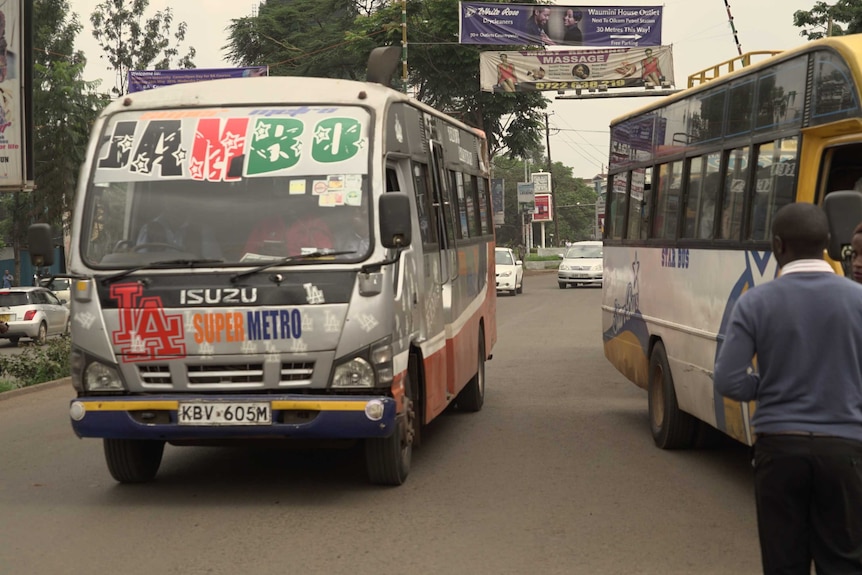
x: 233, y: 186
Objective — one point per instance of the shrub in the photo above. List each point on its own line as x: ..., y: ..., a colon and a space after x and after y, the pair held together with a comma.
x: 36, y: 364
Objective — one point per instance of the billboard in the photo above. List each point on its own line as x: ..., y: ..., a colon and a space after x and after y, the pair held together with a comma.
x: 543, y: 208
x: 526, y: 196
x: 140, y: 80
x: 607, y: 68
x: 15, y: 106
x: 555, y: 25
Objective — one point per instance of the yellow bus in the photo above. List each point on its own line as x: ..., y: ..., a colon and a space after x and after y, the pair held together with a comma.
x: 694, y: 182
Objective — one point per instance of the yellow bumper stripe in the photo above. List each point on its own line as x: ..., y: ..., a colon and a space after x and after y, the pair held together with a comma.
x: 173, y: 405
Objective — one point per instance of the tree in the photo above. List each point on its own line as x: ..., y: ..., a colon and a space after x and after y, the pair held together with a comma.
x: 332, y: 38
x: 132, y: 43
x: 843, y: 17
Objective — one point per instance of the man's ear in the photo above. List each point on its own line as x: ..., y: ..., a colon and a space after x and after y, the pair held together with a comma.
x: 777, y: 245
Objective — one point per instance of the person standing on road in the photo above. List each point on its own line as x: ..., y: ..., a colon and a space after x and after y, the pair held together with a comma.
x: 8, y: 279
x: 804, y: 332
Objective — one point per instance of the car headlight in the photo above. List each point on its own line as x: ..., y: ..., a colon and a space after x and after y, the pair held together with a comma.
x: 564, y: 267
x: 101, y: 377
x: 505, y: 274
x: 597, y: 268
x: 372, y: 367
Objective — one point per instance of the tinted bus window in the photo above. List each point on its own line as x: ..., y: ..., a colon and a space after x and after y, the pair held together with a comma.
x: 639, y: 203
x: 616, y: 206
x: 834, y: 93
x: 671, y: 129
x: 484, y: 213
x: 774, y: 184
x: 706, y: 116
x: 781, y: 94
x: 667, y: 188
x: 741, y: 106
x: 735, y: 183
x: 427, y: 218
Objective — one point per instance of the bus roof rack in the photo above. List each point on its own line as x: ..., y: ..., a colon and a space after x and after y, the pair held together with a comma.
x: 740, y: 61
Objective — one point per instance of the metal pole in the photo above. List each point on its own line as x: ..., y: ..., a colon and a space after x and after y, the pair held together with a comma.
x: 553, y: 195
x: 404, y: 45
x: 733, y: 28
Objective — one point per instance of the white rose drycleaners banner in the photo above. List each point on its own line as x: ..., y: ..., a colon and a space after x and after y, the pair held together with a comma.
x: 575, y: 69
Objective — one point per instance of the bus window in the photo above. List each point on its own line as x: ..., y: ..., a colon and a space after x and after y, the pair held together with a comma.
x: 693, y: 196
x: 639, y: 203
x: 617, y: 206
x: 735, y: 183
x: 664, y: 223
x: 427, y: 219
x: 773, y: 187
x: 711, y: 186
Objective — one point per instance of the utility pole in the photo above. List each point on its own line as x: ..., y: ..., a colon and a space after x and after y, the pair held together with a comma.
x: 553, y: 195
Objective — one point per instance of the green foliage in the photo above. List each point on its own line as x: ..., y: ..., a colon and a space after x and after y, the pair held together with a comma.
x: 843, y: 17
x: 131, y: 42
x: 64, y: 107
x: 36, y: 364
x: 575, y: 199
x: 332, y: 38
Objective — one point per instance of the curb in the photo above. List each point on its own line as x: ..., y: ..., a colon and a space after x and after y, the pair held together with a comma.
x: 13, y: 393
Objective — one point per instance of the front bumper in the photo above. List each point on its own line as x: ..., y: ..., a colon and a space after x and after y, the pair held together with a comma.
x: 295, y: 416
x: 506, y: 284
x: 579, y: 276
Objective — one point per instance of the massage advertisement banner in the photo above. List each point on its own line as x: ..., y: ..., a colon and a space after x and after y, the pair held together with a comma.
x: 556, y: 25
x: 541, y: 70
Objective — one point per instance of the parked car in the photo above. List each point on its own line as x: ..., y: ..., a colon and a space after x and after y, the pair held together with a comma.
x: 581, y: 265
x: 61, y: 288
x: 510, y: 271
x: 32, y: 312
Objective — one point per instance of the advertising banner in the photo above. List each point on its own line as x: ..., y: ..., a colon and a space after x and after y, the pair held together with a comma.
x: 543, y: 208
x: 498, y: 185
x: 13, y: 117
x: 575, y: 69
x: 140, y: 80
x: 555, y: 25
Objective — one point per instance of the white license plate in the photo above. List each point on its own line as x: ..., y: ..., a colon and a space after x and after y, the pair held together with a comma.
x: 224, y: 413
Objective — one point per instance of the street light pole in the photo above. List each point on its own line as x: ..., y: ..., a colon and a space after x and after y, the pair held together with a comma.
x: 553, y: 195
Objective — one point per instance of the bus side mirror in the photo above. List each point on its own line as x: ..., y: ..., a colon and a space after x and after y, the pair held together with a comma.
x: 41, y: 245
x: 844, y: 212
x: 395, y: 222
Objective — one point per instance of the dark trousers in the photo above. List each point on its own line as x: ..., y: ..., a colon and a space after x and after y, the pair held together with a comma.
x: 809, y: 504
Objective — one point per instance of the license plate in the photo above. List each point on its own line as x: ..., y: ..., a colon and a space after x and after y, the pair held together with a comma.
x: 5, y: 317
x: 224, y: 413
x: 581, y: 276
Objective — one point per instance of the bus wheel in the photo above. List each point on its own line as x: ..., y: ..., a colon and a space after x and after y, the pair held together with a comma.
x: 472, y: 397
x: 671, y: 427
x: 387, y: 459
x: 133, y: 460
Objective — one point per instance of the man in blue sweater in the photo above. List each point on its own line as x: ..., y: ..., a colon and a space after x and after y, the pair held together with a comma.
x: 803, y: 331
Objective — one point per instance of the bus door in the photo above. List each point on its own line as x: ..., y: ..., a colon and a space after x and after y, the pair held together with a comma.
x: 443, y: 207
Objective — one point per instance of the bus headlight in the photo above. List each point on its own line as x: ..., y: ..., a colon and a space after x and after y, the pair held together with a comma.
x: 100, y: 377
x: 354, y: 373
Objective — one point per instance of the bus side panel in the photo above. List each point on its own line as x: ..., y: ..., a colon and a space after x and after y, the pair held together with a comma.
x: 675, y: 295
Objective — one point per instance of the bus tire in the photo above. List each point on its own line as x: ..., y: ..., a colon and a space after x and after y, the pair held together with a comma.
x: 133, y: 460
x: 388, y: 459
x: 671, y: 427
x: 472, y: 397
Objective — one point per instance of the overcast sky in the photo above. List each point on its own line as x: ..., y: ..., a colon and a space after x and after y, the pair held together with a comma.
x: 698, y: 30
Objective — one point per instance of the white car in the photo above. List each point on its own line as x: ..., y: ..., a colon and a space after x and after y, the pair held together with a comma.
x: 61, y: 288
x: 32, y: 312
x: 510, y: 271
x: 581, y: 265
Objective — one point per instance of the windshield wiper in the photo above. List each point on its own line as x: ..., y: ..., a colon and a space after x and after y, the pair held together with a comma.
x: 289, y: 259
x: 164, y: 264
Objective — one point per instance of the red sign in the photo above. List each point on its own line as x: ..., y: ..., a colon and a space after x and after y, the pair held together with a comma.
x: 543, y: 208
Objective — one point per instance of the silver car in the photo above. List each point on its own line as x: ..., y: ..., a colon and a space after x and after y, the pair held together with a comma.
x: 32, y: 312
x: 581, y: 265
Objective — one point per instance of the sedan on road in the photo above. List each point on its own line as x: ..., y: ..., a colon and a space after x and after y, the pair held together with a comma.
x: 32, y: 312
x: 581, y: 265
x: 510, y: 271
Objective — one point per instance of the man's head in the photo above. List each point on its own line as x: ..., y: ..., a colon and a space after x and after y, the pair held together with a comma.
x: 541, y: 15
x: 799, y: 231
x: 648, y: 52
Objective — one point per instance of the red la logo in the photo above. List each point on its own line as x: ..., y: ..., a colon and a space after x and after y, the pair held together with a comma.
x: 146, y: 331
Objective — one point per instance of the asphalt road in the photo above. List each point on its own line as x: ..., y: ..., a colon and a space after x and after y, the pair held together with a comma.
x: 556, y: 475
